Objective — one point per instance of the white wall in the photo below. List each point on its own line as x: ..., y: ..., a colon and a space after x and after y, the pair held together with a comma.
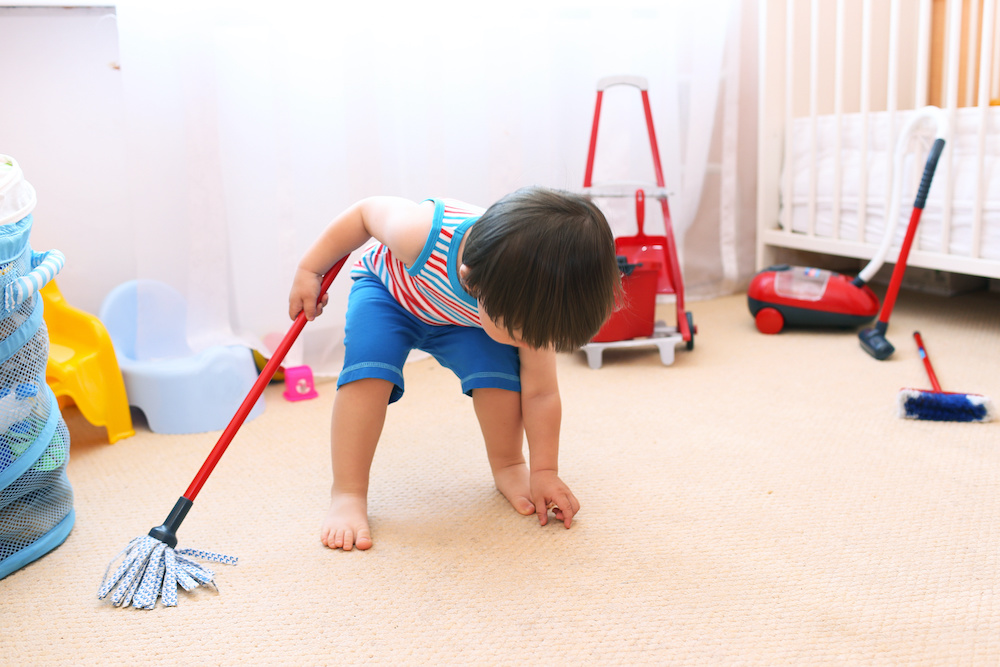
x: 62, y: 120
x: 66, y: 126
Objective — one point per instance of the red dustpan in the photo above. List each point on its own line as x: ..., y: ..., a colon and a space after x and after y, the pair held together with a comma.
x: 650, y: 251
x: 660, y: 253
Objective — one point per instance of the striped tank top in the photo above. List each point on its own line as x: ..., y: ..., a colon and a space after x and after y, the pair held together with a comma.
x: 430, y: 289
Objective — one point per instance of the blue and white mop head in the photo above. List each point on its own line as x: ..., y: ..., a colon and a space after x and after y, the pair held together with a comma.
x: 944, y: 406
x: 939, y: 405
x: 151, y: 569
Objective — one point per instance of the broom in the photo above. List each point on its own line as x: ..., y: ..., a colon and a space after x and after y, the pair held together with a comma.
x: 150, y: 566
x: 938, y: 405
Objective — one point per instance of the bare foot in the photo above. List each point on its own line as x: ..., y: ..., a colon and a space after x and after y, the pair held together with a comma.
x: 346, y: 523
x: 514, y: 482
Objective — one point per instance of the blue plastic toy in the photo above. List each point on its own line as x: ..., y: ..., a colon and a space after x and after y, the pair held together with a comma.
x: 36, y: 499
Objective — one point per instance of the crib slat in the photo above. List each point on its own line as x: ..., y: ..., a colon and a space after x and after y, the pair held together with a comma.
x: 985, y: 76
x: 892, y: 99
x: 923, y: 53
x: 972, y: 27
x: 838, y: 112
x: 813, y: 110
x: 866, y: 64
x: 786, y: 209
x: 946, y: 165
x: 995, y: 60
x: 892, y: 103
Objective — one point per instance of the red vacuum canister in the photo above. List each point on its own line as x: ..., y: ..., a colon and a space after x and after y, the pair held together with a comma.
x: 808, y: 297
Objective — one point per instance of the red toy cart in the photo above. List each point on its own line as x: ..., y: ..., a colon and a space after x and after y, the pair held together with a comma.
x: 633, y: 325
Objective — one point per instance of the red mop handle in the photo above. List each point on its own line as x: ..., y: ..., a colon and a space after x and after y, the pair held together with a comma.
x: 258, y: 388
x: 927, y: 362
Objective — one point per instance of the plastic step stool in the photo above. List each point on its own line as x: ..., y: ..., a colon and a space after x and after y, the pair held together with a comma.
x: 82, y: 367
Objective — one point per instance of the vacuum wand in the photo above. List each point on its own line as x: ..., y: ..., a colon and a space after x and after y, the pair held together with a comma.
x: 873, y: 340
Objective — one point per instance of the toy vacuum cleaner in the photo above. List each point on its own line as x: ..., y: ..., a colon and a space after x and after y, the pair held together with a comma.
x: 810, y: 297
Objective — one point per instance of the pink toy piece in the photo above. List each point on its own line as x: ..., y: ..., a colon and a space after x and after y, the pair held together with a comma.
x: 299, y: 384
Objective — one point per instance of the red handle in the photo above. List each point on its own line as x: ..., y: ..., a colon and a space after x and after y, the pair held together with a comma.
x: 657, y: 167
x: 927, y: 362
x: 592, y: 148
x: 640, y: 211
x: 258, y: 388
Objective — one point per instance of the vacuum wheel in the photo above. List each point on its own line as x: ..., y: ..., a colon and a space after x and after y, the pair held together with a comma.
x: 769, y: 321
x: 692, y: 329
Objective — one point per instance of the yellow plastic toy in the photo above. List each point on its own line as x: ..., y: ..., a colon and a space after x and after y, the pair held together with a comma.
x: 82, y: 366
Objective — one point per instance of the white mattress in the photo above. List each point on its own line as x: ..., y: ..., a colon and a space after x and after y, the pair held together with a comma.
x: 964, y: 159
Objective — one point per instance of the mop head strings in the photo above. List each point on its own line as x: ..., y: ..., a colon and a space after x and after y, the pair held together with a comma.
x: 150, y: 569
x: 944, y: 407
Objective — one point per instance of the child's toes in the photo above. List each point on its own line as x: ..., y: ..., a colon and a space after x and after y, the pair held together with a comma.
x: 363, y: 540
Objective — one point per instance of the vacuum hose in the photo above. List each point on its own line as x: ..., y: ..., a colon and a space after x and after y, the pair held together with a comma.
x: 892, y: 221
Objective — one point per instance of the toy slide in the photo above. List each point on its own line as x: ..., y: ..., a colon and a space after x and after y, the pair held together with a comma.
x: 82, y: 366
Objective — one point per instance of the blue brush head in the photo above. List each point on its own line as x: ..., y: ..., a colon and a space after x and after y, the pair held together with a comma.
x: 944, y: 407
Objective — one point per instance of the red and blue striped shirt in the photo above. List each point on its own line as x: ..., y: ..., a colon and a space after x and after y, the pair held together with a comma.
x: 430, y: 289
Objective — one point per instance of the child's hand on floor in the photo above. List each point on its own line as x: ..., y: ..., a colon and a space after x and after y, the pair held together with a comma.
x: 549, y: 492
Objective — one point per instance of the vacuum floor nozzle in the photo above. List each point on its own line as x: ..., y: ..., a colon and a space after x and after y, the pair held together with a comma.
x: 873, y: 341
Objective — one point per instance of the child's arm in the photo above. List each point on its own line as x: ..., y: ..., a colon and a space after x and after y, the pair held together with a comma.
x: 541, y: 409
x: 399, y: 224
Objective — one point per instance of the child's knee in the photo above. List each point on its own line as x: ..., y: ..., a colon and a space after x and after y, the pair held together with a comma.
x: 374, y: 389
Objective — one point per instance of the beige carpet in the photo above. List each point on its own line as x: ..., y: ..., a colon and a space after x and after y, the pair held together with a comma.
x: 757, y: 502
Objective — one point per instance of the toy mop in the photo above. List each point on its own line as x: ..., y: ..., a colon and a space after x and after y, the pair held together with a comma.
x: 151, y: 568
x: 36, y: 499
x: 938, y: 405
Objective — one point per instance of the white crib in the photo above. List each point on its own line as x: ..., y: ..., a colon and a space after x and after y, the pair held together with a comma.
x: 837, y: 79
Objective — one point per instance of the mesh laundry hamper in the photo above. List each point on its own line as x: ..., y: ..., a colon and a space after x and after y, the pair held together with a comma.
x: 36, y: 500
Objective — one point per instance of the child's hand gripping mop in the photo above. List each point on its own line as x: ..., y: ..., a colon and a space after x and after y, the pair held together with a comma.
x: 873, y: 340
x: 151, y: 568
x: 939, y: 405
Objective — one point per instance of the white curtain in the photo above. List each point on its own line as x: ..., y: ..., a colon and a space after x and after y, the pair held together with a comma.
x: 251, y: 124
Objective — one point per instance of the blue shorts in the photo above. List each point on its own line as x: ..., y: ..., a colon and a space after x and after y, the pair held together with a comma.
x: 380, y: 334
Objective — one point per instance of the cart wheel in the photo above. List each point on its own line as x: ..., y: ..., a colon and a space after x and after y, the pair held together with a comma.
x: 692, y: 329
x: 769, y: 321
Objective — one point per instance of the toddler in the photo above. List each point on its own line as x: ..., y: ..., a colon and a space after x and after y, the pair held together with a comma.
x: 493, y: 295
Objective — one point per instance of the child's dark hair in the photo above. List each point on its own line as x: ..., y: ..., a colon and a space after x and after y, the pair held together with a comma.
x: 542, y: 264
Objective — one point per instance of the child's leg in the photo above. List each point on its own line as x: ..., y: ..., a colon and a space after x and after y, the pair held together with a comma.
x: 378, y: 336
x: 490, y: 373
x: 499, y: 413
x: 358, y: 416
